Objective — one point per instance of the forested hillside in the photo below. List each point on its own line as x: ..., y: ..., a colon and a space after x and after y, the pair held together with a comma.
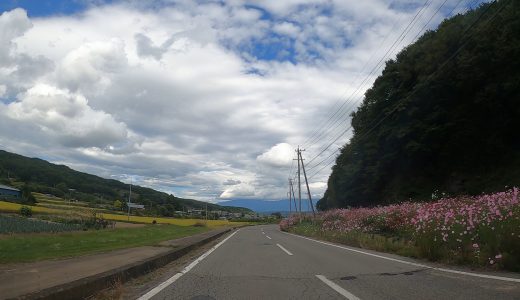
x: 443, y: 117
x: 41, y: 176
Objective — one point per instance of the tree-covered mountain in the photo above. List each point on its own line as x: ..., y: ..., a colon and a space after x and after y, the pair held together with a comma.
x: 41, y: 176
x: 443, y: 116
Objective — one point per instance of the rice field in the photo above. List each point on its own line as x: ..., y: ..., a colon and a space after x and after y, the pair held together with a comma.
x: 15, y: 207
x: 159, y: 220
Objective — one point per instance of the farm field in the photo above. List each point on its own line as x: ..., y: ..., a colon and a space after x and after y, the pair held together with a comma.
x: 57, y: 230
x: 14, y: 207
x: 17, y: 224
x: 34, y: 247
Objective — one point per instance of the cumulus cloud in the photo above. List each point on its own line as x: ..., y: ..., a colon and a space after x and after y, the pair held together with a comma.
x: 241, y: 191
x: 12, y: 25
x: 67, y: 117
x: 89, y: 67
x: 280, y: 155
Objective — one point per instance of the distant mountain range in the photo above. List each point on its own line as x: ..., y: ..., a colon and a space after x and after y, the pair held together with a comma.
x: 263, y: 206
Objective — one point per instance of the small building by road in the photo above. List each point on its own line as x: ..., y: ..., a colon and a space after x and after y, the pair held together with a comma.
x: 9, y: 192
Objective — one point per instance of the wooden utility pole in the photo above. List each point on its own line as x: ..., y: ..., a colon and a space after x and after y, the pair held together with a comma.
x: 299, y: 184
x: 129, y: 199
x: 290, y: 204
x: 307, y: 183
x: 293, y: 195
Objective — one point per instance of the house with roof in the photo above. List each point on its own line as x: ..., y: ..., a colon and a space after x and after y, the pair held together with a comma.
x: 9, y: 192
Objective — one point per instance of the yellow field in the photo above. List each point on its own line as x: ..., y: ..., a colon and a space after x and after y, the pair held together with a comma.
x: 160, y: 220
x: 14, y: 207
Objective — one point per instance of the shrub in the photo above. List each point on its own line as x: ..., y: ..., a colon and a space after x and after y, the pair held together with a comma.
x: 26, y: 211
x: 199, y: 224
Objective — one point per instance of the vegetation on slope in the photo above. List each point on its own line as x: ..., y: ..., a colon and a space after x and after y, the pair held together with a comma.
x: 41, y: 176
x: 443, y: 116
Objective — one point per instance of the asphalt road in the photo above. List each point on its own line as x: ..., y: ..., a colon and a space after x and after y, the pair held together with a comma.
x: 263, y: 263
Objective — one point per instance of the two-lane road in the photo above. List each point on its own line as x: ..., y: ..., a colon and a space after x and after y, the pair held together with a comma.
x: 263, y: 263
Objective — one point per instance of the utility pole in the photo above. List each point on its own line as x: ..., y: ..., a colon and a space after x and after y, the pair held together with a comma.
x: 290, y: 204
x: 293, y: 195
x: 299, y: 184
x: 129, y: 199
x: 307, y: 183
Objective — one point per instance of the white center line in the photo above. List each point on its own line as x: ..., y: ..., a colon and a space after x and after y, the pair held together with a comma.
x: 174, y: 278
x: 268, y: 237
x: 286, y: 251
x: 337, y: 288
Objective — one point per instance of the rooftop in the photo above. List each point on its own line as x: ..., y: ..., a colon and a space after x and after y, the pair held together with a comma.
x: 5, y: 187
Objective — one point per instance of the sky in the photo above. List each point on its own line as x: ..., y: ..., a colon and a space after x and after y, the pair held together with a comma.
x: 202, y: 99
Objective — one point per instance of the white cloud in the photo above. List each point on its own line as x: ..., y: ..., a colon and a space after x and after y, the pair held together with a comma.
x: 280, y: 155
x: 240, y: 191
x: 178, y: 97
x: 89, y: 67
x: 12, y: 25
x: 286, y: 28
x: 67, y: 117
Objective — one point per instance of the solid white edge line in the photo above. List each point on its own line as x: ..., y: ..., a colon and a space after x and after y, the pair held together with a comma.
x: 174, y: 278
x: 268, y: 237
x: 337, y: 288
x: 285, y: 250
x: 412, y: 263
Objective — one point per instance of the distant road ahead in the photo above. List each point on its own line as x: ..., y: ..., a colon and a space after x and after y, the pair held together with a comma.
x: 263, y: 263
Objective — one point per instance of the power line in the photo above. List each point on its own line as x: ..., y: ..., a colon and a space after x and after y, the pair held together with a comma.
x: 396, y: 106
x: 403, y: 36
x: 379, y: 64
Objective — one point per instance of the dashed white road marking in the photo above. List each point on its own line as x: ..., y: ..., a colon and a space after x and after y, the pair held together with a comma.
x: 174, y: 278
x: 285, y: 250
x: 337, y: 288
x: 268, y: 237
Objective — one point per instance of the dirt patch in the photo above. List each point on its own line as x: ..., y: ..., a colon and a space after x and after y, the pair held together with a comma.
x: 128, y: 225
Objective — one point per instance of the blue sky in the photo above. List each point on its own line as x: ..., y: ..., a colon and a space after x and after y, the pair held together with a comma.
x: 43, y: 8
x: 202, y: 99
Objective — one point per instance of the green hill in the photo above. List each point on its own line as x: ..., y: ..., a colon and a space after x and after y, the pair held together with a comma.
x: 59, y: 180
x: 443, y: 116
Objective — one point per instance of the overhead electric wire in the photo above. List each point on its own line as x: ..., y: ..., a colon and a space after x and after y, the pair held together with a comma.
x: 333, y: 110
x: 379, y: 64
x: 418, y: 33
x: 428, y: 78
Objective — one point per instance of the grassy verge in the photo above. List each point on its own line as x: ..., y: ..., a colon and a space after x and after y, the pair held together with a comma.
x: 33, y: 247
x: 377, y: 242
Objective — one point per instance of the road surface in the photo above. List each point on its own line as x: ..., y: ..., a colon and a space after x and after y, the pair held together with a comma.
x: 261, y: 262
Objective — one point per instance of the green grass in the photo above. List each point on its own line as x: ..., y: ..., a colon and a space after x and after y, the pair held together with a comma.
x: 33, y: 247
x: 377, y: 242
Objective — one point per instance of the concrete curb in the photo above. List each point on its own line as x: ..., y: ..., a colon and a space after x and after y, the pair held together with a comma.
x: 88, y: 286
